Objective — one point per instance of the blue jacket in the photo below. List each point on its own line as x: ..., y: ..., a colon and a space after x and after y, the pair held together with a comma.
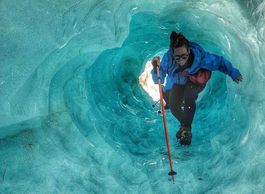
x: 202, y: 59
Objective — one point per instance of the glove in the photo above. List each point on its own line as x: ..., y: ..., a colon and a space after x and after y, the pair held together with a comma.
x: 155, y: 62
x: 184, y: 136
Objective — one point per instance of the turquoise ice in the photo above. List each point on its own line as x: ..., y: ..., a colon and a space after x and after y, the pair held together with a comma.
x: 75, y: 119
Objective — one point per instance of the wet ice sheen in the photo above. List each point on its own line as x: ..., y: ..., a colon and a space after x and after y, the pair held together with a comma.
x: 76, y: 120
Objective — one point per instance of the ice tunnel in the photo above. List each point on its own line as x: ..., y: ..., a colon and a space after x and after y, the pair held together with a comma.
x: 76, y: 116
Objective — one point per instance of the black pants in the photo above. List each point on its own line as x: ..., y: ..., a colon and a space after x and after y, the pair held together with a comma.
x: 182, y: 102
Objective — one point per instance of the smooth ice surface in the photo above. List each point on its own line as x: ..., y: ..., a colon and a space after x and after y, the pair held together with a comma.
x: 75, y: 118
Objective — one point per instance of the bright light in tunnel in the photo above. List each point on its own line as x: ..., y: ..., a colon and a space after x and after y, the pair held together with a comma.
x: 147, y: 83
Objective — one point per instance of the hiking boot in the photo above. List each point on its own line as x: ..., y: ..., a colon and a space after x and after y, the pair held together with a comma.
x: 184, y: 135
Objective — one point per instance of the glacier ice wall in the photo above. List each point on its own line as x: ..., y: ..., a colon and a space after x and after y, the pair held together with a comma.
x: 75, y: 119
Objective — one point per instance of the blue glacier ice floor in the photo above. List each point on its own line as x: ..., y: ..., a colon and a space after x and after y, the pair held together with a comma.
x: 75, y: 118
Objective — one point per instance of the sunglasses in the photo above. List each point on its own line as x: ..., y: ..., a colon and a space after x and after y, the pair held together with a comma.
x: 181, y: 57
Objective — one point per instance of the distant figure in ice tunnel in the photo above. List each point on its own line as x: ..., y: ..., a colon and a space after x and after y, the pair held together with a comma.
x: 188, y: 68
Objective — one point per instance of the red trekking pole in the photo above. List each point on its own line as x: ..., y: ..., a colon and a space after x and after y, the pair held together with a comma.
x: 172, y: 172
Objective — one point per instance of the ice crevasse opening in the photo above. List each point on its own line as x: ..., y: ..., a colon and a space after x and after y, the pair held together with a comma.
x: 76, y: 117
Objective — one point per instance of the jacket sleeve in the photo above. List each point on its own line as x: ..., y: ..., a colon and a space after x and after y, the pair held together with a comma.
x: 221, y: 64
x: 162, y: 69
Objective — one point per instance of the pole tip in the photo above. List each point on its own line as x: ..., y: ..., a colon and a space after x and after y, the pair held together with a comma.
x: 172, y: 173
